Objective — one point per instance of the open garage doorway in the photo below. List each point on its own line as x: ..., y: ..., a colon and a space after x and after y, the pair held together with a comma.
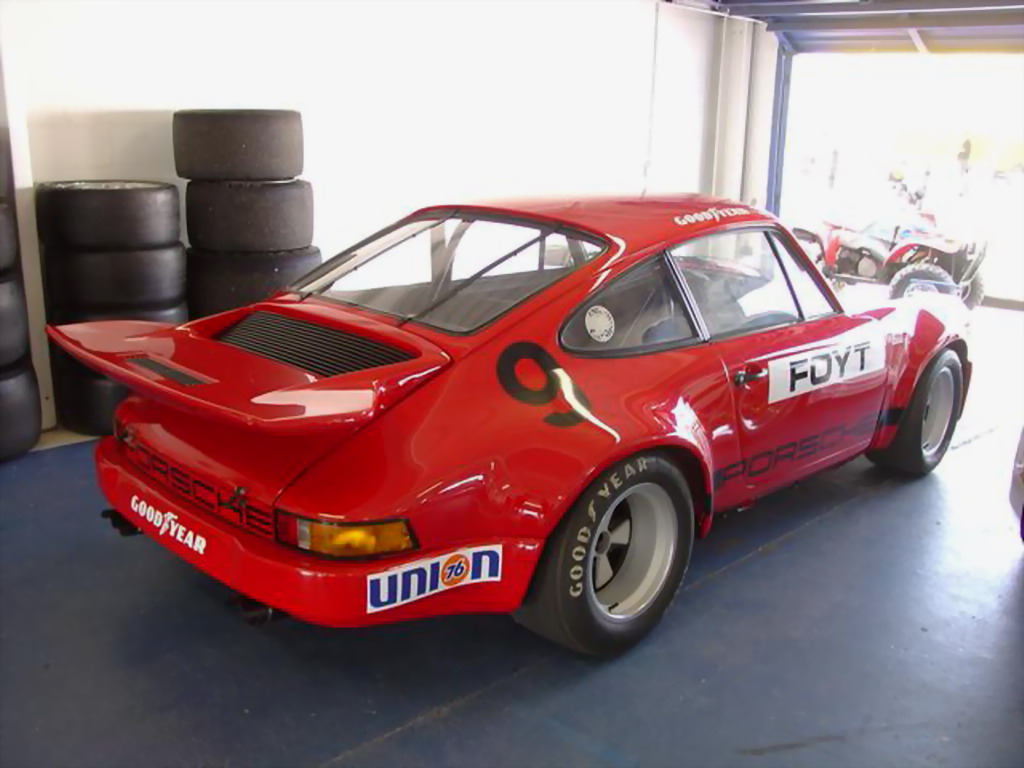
x: 888, y: 145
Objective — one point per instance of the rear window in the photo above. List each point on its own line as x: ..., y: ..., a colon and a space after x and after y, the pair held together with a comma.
x: 455, y: 273
x: 641, y: 311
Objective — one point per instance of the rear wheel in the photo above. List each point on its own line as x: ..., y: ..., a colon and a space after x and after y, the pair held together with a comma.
x: 921, y: 278
x: 615, y: 561
x: 926, y: 427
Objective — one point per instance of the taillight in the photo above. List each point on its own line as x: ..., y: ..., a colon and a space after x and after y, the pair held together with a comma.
x: 344, y: 540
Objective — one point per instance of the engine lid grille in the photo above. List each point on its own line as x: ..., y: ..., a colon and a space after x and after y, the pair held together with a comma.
x: 314, y: 348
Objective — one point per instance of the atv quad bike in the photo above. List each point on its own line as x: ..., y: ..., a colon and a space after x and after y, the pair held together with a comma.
x: 910, y: 259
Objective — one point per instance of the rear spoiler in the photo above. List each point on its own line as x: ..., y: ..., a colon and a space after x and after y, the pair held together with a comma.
x: 187, y: 368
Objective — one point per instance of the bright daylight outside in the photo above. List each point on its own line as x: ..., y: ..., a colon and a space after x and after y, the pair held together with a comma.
x: 884, y: 149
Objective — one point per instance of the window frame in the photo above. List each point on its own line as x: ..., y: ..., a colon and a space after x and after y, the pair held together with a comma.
x: 764, y: 229
x: 784, y: 239
x: 699, y: 332
x: 468, y: 213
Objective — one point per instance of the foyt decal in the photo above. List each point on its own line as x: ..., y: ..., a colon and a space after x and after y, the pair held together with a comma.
x: 600, y: 323
x: 166, y: 524
x: 710, y: 214
x: 853, y: 355
x: 413, y: 581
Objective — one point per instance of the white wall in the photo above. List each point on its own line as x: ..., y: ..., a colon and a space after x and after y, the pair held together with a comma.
x: 686, y: 57
x: 760, y: 101
x: 404, y: 102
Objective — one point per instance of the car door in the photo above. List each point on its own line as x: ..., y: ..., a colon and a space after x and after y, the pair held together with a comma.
x: 807, y: 380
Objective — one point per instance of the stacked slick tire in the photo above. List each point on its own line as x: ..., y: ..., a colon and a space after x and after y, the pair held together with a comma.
x: 242, y: 144
x: 250, y: 221
x: 222, y: 280
x: 111, y: 251
x: 20, y: 412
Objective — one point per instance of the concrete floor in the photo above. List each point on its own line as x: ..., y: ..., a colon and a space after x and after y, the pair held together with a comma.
x: 852, y: 620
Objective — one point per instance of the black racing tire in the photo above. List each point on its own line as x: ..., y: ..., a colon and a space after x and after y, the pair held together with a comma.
x: 20, y: 409
x: 907, y: 453
x: 102, y: 215
x: 86, y: 400
x: 101, y: 280
x: 13, y: 320
x: 8, y: 237
x: 563, y: 602
x: 932, y: 273
x: 238, y: 144
x: 249, y: 216
x: 974, y: 292
x: 219, y: 281
x: 175, y: 313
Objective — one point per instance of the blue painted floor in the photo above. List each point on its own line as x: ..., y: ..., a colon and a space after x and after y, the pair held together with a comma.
x: 852, y: 620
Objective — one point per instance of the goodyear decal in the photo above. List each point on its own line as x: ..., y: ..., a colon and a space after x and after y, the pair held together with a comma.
x: 851, y: 356
x: 167, y: 524
x: 422, y: 578
x: 710, y: 214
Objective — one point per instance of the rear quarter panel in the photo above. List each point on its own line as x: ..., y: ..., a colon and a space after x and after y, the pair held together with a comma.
x: 466, y: 460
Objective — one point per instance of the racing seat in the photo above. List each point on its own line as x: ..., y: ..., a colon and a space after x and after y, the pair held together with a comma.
x: 670, y: 329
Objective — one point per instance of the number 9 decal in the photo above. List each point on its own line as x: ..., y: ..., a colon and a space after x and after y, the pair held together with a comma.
x: 555, y: 381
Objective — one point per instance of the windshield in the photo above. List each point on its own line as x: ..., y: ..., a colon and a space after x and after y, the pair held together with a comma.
x: 455, y: 273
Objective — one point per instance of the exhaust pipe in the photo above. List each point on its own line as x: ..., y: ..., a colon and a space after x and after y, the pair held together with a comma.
x: 254, y: 613
x: 120, y: 522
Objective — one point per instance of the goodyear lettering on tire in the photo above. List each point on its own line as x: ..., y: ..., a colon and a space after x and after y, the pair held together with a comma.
x: 596, y: 508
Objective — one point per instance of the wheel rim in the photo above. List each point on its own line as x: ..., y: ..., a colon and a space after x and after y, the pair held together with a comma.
x: 632, y: 551
x: 920, y: 287
x: 938, y: 412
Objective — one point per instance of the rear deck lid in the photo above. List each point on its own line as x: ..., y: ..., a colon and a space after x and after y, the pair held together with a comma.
x: 283, y: 368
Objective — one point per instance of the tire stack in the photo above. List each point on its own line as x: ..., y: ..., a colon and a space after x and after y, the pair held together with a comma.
x: 111, y: 251
x: 20, y: 414
x: 250, y: 221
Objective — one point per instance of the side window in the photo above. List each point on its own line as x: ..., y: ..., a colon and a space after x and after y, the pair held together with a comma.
x: 641, y: 309
x: 736, y: 282
x: 808, y: 291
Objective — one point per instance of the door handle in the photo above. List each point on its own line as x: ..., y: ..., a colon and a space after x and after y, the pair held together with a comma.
x: 749, y: 374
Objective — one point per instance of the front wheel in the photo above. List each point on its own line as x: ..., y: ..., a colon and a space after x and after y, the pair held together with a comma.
x: 614, y: 563
x: 974, y: 292
x: 926, y: 427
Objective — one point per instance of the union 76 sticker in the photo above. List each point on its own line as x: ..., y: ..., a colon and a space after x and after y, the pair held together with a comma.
x: 422, y: 578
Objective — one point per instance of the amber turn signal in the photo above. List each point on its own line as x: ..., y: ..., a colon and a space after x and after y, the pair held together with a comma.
x: 344, y: 539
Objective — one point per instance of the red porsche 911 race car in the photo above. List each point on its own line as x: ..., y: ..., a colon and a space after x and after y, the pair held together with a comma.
x: 528, y: 408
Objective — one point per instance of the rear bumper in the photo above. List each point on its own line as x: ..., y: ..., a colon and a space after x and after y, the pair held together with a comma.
x: 312, y: 589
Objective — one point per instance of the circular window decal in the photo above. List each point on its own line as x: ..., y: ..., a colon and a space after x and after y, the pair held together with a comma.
x: 600, y: 323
